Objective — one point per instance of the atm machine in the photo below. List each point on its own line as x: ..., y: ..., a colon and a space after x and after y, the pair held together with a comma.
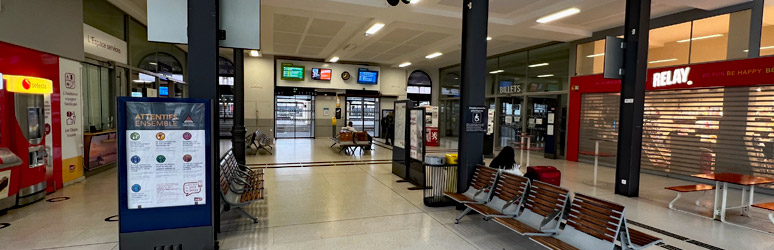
x: 22, y: 130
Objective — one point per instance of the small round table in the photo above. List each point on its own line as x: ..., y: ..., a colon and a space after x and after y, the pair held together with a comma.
x: 597, y: 154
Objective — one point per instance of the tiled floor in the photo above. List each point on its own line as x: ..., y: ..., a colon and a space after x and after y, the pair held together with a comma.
x: 362, y: 207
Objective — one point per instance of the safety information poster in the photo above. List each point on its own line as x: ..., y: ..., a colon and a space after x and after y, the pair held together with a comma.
x: 165, y: 154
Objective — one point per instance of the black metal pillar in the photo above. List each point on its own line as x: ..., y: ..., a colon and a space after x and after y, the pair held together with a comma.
x: 475, y: 16
x: 203, y: 79
x: 756, y: 26
x: 238, y: 132
x: 635, y: 62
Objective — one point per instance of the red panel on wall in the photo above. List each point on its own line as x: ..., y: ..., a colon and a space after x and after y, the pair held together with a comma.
x: 17, y: 60
x: 737, y: 73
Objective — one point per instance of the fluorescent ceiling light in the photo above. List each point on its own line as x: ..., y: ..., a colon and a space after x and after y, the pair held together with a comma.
x: 542, y: 76
x: 433, y: 55
x: 559, y: 15
x: 334, y: 59
x: 153, y: 63
x: 538, y: 65
x: 255, y: 53
x: 762, y: 48
x: 700, y: 38
x: 374, y: 28
x: 665, y: 60
x: 497, y: 71
x: 141, y: 81
x: 489, y: 38
x: 405, y: 64
x: 413, y: 1
x: 596, y: 55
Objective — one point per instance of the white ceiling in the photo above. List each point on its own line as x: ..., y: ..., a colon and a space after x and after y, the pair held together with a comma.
x: 323, y: 28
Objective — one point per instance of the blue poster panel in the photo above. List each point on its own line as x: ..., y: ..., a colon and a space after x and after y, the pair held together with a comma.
x: 165, y: 164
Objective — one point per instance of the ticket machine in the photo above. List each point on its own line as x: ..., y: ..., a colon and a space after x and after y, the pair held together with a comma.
x: 22, y: 131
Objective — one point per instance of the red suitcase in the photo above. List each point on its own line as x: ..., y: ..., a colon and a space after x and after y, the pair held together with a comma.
x: 547, y: 174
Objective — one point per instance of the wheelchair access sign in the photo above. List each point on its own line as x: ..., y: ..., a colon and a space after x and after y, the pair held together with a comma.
x: 476, y: 119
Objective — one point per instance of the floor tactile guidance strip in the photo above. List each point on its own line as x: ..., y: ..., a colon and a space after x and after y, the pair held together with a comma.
x: 673, y: 235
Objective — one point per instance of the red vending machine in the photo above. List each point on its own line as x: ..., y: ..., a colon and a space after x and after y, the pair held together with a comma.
x: 22, y: 132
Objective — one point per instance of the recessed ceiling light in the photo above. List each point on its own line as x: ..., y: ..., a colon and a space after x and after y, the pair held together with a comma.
x: 405, y: 64
x: 543, y: 76
x: 414, y: 1
x: 559, y: 15
x: 153, y: 63
x: 665, y: 60
x: 700, y: 38
x: 433, y: 55
x: 334, y: 59
x: 489, y: 38
x: 496, y: 71
x: 374, y: 28
x: 596, y: 55
x: 255, y: 53
x: 538, y: 65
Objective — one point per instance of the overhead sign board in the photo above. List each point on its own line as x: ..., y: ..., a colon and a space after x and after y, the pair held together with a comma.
x: 104, y: 45
x: 241, y: 19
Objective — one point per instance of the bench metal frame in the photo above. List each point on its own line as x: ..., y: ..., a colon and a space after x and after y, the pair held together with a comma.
x: 236, y: 179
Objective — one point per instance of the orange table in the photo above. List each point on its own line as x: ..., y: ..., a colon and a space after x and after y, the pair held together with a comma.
x: 596, y: 155
x: 746, y: 181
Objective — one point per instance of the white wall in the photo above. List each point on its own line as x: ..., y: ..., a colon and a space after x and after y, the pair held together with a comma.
x: 53, y: 26
x: 394, y: 82
x: 335, y: 83
x: 259, y: 93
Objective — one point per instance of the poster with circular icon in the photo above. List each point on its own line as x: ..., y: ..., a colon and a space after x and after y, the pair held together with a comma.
x: 161, y: 142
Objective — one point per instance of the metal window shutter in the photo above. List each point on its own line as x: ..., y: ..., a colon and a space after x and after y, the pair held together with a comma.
x: 599, y: 120
x: 692, y: 131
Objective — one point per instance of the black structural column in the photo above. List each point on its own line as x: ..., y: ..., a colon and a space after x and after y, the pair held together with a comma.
x: 238, y: 131
x: 635, y: 62
x: 475, y: 16
x: 203, y: 78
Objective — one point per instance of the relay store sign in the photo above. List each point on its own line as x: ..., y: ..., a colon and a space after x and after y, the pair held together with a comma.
x: 672, y: 77
x: 104, y: 45
x: 747, y: 72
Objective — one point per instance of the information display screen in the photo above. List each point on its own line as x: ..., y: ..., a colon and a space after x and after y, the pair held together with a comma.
x: 367, y: 77
x: 321, y: 74
x: 292, y: 73
x: 163, y: 91
x: 165, y: 154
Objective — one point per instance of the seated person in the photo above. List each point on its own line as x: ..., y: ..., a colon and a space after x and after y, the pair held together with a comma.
x: 506, y: 160
x: 349, y: 128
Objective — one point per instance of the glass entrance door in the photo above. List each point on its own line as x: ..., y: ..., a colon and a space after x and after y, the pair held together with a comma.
x: 509, y: 121
x: 363, y: 112
x: 294, y: 116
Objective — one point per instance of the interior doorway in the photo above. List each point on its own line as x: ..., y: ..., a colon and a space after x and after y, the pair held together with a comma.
x: 294, y: 116
x: 363, y: 112
x: 509, y: 121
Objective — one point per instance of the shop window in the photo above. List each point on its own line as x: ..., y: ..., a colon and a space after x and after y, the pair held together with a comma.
x: 547, y: 68
x: 514, y: 75
x: 98, y: 97
x: 669, y: 45
x: 720, y: 37
x: 590, y: 58
x: 767, y: 31
x: 163, y: 64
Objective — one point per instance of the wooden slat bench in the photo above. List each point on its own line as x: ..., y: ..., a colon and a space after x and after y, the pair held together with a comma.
x: 239, y: 185
x: 508, y: 196
x: 483, y: 179
x: 767, y: 206
x: 594, y: 223
x: 544, y: 207
x: 686, y: 189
